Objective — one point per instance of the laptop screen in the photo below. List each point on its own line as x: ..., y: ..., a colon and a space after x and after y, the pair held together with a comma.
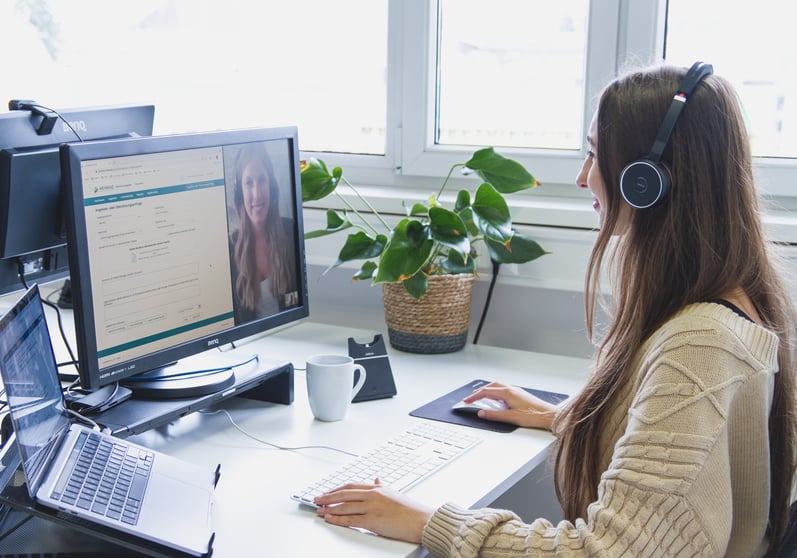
x: 33, y: 391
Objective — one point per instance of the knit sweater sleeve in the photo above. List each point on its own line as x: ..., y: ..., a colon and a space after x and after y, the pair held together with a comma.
x: 666, y: 491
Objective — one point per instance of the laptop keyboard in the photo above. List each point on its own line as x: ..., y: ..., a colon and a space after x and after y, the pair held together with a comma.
x: 105, y: 477
x: 400, y: 462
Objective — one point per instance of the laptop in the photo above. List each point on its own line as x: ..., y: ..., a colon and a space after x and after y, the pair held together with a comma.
x: 140, y: 492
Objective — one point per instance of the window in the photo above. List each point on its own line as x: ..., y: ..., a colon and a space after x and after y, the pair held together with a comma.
x: 516, y: 79
x: 753, y: 49
x: 399, y: 90
x: 208, y: 65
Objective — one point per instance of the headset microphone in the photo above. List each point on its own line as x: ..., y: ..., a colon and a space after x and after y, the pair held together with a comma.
x: 644, y: 182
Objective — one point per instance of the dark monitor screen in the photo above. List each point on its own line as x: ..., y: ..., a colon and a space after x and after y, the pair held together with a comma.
x: 180, y: 244
x: 30, y: 171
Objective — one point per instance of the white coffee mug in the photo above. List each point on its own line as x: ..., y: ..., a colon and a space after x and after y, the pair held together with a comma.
x: 329, y: 385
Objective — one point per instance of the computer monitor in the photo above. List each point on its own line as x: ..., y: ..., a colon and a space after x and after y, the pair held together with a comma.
x: 32, y: 231
x: 179, y: 245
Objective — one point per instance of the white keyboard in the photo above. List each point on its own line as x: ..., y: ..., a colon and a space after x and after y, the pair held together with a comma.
x: 401, y: 462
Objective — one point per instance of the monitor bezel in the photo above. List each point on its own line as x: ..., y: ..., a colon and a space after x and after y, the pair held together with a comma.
x: 73, y: 155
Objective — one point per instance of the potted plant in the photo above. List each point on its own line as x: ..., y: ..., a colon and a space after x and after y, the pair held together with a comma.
x: 431, y: 242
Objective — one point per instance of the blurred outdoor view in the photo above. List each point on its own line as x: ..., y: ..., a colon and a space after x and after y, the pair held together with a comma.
x: 512, y: 75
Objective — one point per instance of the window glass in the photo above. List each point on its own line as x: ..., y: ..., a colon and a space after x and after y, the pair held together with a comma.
x: 753, y: 48
x: 511, y: 73
x: 208, y: 65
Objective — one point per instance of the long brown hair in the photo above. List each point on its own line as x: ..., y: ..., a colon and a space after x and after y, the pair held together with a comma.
x: 703, y: 241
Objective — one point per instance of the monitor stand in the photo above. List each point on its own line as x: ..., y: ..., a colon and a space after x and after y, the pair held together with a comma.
x: 194, y: 376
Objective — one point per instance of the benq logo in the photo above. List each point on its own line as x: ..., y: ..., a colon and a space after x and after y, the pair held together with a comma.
x: 75, y: 125
x: 213, y: 342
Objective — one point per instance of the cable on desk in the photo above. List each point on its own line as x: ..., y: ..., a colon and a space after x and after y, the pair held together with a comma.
x: 256, y: 439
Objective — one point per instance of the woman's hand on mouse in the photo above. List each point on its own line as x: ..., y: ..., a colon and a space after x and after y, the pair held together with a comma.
x: 523, y: 408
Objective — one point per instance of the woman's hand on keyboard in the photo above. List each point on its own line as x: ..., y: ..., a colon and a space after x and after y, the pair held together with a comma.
x: 523, y: 408
x: 376, y: 508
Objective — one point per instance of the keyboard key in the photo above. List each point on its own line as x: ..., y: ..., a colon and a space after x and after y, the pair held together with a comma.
x: 107, y: 477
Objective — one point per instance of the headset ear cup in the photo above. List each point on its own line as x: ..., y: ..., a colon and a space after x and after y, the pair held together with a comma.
x: 644, y: 183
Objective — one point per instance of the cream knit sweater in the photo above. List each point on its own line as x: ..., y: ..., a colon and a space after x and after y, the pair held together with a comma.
x: 685, y: 468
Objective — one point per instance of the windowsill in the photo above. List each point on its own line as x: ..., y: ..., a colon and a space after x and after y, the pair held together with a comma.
x: 533, y: 209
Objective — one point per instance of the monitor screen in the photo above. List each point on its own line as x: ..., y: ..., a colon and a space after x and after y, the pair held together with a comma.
x: 181, y: 244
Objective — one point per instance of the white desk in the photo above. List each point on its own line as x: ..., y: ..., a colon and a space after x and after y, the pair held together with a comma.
x: 253, y: 508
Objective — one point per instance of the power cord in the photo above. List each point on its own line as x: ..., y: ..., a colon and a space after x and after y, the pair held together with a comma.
x: 46, y: 302
x: 496, y: 267
x: 256, y: 439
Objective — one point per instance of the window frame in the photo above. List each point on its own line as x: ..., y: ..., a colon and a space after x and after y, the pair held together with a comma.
x: 621, y: 33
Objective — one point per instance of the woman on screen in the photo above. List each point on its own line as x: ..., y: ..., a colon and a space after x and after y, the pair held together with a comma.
x: 264, y: 278
x: 682, y: 442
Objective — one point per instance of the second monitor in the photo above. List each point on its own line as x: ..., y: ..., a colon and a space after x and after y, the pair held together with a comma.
x: 178, y: 245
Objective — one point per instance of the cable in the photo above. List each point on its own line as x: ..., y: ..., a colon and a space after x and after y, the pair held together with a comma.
x: 46, y: 302
x: 96, y: 406
x: 78, y: 416
x: 496, y: 267
x: 284, y: 448
x: 48, y: 121
x: 146, y: 378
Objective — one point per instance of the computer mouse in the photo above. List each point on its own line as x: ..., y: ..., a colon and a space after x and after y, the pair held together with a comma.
x: 475, y: 406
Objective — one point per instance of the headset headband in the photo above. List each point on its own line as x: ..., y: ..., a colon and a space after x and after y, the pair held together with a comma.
x: 695, y: 75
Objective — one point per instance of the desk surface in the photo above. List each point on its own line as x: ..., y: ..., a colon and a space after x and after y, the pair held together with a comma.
x: 253, y: 506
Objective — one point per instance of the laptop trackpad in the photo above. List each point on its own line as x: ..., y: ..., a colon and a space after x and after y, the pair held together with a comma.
x: 191, y: 525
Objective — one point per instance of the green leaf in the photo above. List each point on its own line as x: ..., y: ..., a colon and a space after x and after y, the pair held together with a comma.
x: 491, y: 214
x: 417, y: 209
x: 448, y: 229
x: 405, y: 254
x: 335, y: 223
x: 366, y: 271
x: 520, y: 249
x: 317, y: 182
x: 506, y: 175
x: 455, y: 263
x: 462, y: 202
x: 416, y: 285
x: 360, y: 246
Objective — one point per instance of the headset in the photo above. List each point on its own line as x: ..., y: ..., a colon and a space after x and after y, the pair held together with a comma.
x: 645, y: 182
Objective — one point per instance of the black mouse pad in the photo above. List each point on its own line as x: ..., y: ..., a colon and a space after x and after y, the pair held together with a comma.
x: 440, y: 408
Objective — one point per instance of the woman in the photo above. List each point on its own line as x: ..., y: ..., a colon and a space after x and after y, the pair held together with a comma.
x: 682, y: 441
x: 263, y: 265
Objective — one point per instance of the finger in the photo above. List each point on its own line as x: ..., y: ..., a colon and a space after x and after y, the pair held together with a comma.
x: 343, y: 494
x: 500, y: 393
x: 356, y: 521
x: 346, y: 508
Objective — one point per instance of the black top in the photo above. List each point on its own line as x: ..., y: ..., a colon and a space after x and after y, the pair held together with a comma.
x: 732, y: 306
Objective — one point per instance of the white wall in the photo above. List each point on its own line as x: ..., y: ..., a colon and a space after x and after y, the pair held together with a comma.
x: 538, y: 306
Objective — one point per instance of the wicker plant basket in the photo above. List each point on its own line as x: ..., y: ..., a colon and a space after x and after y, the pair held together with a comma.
x: 437, y: 322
